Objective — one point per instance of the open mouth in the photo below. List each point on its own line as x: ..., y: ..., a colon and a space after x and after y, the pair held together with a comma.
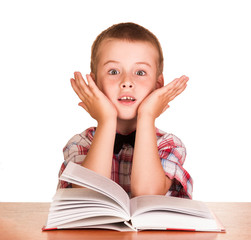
x: 127, y: 99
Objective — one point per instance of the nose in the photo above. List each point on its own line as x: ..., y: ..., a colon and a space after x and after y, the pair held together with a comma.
x: 126, y: 83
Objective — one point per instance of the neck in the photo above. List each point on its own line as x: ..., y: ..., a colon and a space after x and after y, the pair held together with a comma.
x: 125, y: 127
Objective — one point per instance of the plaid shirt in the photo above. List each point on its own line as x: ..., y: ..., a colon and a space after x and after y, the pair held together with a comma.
x: 172, y: 154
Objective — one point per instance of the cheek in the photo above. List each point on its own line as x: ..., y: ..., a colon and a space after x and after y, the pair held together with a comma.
x: 147, y: 87
x: 107, y: 89
x: 101, y: 84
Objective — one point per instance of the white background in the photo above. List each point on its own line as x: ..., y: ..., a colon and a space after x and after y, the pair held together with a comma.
x: 44, y: 42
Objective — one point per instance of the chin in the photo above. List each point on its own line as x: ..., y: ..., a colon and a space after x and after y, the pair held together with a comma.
x: 127, y: 117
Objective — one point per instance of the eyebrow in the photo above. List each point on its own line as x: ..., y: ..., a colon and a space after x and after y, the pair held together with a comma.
x: 144, y: 63
x: 138, y: 63
x: 110, y: 61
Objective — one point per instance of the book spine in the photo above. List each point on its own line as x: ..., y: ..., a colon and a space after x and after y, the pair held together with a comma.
x: 181, y: 229
x: 130, y: 226
x: 48, y: 229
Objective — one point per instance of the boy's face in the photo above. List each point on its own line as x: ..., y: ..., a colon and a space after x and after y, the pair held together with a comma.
x: 127, y: 74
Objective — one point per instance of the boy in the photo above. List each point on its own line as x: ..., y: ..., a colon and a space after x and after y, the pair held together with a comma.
x: 125, y: 94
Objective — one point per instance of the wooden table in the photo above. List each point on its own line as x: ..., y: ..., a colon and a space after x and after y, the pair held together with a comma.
x: 25, y: 220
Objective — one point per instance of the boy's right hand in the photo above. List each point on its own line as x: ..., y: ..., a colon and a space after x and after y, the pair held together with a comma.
x: 93, y: 100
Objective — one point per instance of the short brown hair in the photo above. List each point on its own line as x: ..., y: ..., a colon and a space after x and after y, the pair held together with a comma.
x: 126, y: 31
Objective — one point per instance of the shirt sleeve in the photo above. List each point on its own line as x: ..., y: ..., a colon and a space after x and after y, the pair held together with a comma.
x: 76, y: 150
x: 172, y: 153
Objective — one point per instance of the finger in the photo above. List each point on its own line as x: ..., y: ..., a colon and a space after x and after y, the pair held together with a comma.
x: 79, y: 79
x: 93, y: 87
x: 91, y: 82
x: 174, y: 84
x: 176, y: 93
x: 167, y: 89
x: 181, y: 79
x: 165, y: 108
x: 173, y: 89
x: 82, y: 104
x: 178, y: 87
x: 76, y: 89
x: 181, y: 82
x: 83, y: 87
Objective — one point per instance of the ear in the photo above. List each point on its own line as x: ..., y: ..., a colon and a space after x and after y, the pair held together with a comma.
x: 160, y: 81
x: 93, y: 76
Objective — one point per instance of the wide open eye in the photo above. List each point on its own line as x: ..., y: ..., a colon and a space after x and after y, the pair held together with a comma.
x: 113, y: 72
x: 140, y: 73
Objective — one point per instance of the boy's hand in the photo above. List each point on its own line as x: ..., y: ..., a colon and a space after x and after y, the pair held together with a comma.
x: 157, y: 102
x: 93, y: 100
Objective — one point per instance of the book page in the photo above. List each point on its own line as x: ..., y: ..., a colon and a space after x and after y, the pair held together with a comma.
x: 161, y: 220
x: 80, y: 222
x: 143, y: 204
x: 165, y: 212
x: 84, y: 177
x: 109, y: 223
x: 72, y: 205
x: 73, y: 198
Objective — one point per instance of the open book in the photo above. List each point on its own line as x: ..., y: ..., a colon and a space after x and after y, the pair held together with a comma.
x: 104, y: 204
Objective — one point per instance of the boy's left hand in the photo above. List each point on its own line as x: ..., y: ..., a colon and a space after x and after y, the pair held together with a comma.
x: 157, y: 102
